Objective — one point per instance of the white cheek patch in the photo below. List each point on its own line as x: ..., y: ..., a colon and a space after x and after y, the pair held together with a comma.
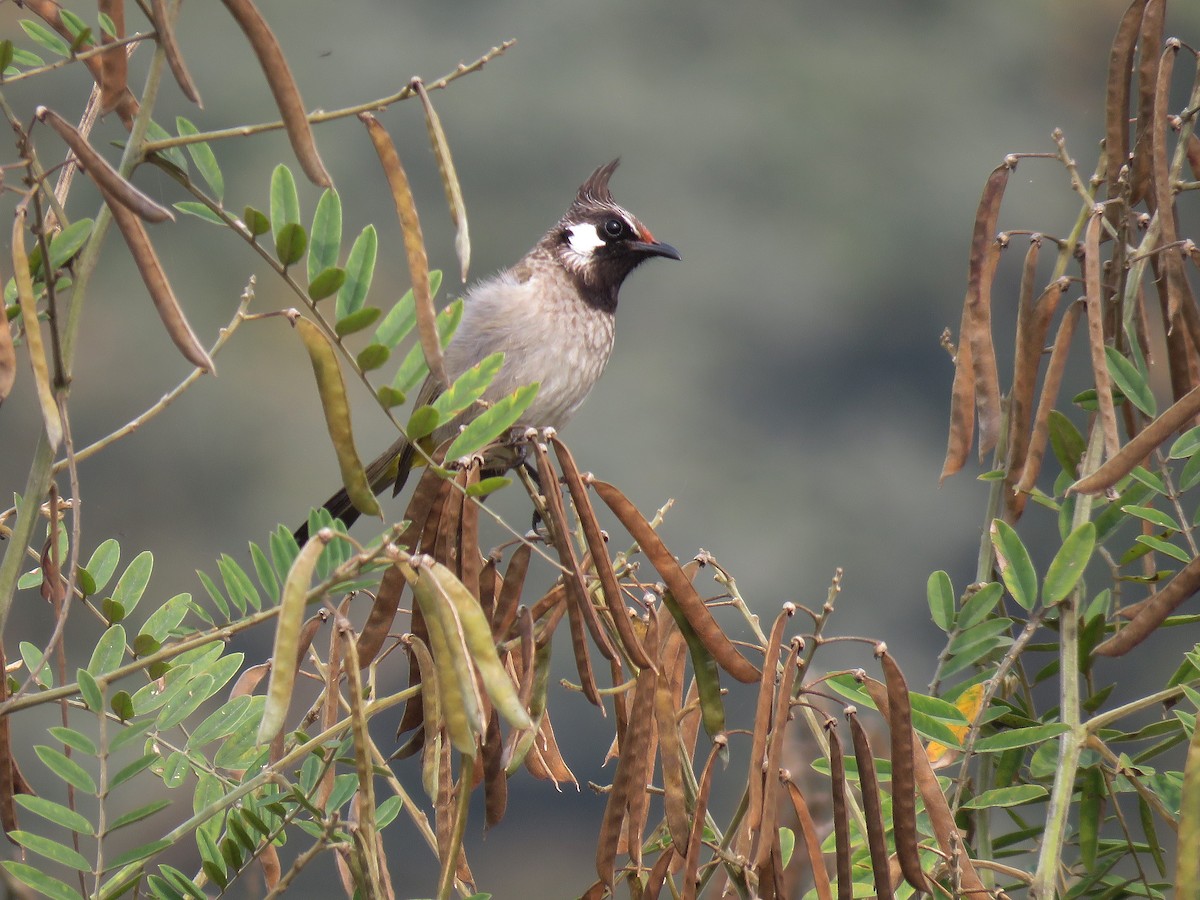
x: 584, y: 238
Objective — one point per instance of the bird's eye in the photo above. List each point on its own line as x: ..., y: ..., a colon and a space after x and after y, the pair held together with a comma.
x: 614, y: 228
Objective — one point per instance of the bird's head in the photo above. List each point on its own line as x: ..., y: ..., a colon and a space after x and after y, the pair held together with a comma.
x: 599, y: 242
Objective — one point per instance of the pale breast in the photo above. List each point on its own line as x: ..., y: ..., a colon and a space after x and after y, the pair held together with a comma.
x: 548, y: 335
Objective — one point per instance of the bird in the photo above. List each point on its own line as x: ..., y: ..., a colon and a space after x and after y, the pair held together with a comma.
x: 551, y: 314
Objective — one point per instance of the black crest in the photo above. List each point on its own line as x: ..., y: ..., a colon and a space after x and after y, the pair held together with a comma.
x: 595, y: 189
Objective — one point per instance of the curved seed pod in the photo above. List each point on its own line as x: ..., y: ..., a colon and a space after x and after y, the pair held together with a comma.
x: 470, y: 558
x: 560, y: 530
x: 431, y: 690
x: 454, y: 196
x: 1116, y: 107
x: 1140, y: 446
x: 414, y: 246
x: 478, y: 635
x: 363, y: 764
x: 1164, y: 191
x: 841, y: 820
x: 461, y: 703
x: 691, y: 869
x: 520, y: 742
x: 768, y: 832
x: 1149, y: 42
x: 904, y: 786
x: 114, y: 62
x: 689, y: 603
x: 413, y: 713
x: 630, y: 776
x: 283, y: 88
x: 495, y: 783
x: 1049, y: 397
x: 762, y: 726
x: 666, y: 715
x: 872, y: 807
x: 164, y: 27
x: 707, y: 677
x: 812, y: 840
x: 307, y: 634
x: 287, y: 636
x: 1095, y: 318
x: 600, y: 559
x: 48, y: 11
x: 33, y: 333
x: 155, y: 279
x: 658, y: 875
x: 249, y: 680
x: 945, y: 829
x: 336, y: 407
x: 976, y: 381
x: 510, y: 592
x: 1026, y: 361
x: 383, y: 613
x: 1153, y: 611
x: 641, y: 774
x: 107, y: 178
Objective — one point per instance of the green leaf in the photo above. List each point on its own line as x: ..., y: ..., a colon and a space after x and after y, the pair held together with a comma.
x: 402, y: 318
x: 492, y: 422
x: 185, y: 702
x: 204, y: 158
x: 25, y: 58
x: 75, y: 25
x: 422, y: 423
x: 284, y: 549
x: 173, y: 155
x: 373, y: 356
x: 326, y: 232
x: 360, y: 269
x: 326, y: 282
x: 66, y: 769
x: 414, y: 369
x: 1186, y: 444
x: 221, y: 723
x: 487, y: 486
x: 122, y: 705
x: 176, y: 769
x: 1149, y: 479
x: 1130, y: 381
x: 32, y: 657
x: 136, y: 815
x: 166, y: 618
x: 1165, y: 547
x: 52, y: 850
x: 978, y: 633
x: 939, y: 592
x: 90, y: 690
x: 356, y: 321
x: 1066, y: 441
x: 138, y: 853
x: 468, y: 387
x: 199, y: 210
x: 109, y: 652
x: 1020, y: 737
x: 262, y: 569
x: 68, y: 242
x: 113, y: 611
x: 787, y: 844
x: 6, y: 54
x: 237, y: 582
x: 979, y: 605
x: 387, y: 811
x: 76, y: 740
x: 134, y: 768
x: 133, y: 581
x: 1069, y: 563
x: 290, y: 243
x: 106, y: 23
x: 388, y: 395
x: 256, y: 221
x: 43, y: 884
x: 104, y: 562
x: 1015, y: 566
x: 46, y: 38
x: 285, y: 202
x: 1010, y: 796
x: 1190, y: 476
x: 1153, y: 516
x: 55, y: 812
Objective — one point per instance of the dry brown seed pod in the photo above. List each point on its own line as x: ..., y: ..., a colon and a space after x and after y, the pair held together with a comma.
x: 383, y: 613
x: 114, y: 62
x: 812, y: 840
x: 841, y: 819
x: 164, y: 28
x: 710, y: 633
x: 283, y: 88
x: 872, y: 807
x: 904, y: 786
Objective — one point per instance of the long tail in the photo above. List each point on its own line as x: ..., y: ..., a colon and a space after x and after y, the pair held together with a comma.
x: 392, y: 467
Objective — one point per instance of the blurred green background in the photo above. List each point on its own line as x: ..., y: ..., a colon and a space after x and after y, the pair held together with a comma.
x: 818, y: 166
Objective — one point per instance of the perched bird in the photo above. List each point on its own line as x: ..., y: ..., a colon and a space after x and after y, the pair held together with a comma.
x: 552, y: 316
